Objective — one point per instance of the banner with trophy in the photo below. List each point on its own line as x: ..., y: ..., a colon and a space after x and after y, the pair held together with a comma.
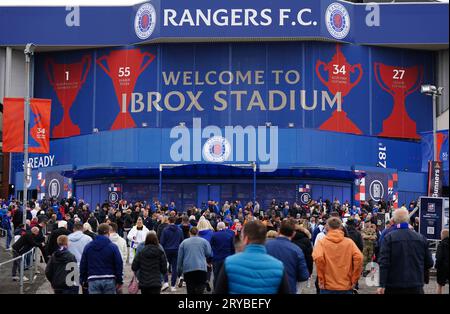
x: 39, y: 127
x: 338, y: 81
x: 67, y: 79
x: 124, y: 68
x: 326, y: 86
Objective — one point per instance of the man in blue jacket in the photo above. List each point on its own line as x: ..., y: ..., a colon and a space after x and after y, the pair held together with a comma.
x: 290, y: 254
x: 404, y: 258
x: 222, y: 244
x: 101, y: 265
x: 253, y: 271
x: 6, y: 224
x: 171, y: 238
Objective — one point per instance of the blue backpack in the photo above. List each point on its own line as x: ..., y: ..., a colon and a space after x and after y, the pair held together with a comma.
x: 6, y: 222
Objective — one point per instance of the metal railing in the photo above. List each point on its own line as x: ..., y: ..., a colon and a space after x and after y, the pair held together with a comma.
x: 26, y: 260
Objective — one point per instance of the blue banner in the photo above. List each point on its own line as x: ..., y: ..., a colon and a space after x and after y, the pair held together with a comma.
x: 431, y: 217
x: 393, y: 23
x: 442, y: 152
x: 333, y: 87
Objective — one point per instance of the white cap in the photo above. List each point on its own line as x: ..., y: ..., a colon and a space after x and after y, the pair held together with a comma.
x: 192, y: 217
x: 62, y: 224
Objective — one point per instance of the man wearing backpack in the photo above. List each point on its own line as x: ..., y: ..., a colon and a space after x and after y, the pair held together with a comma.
x: 61, y: 269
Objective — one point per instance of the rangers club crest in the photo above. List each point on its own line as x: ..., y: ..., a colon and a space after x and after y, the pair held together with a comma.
x: 337, y: 20
x: 145, y: 21
x: 216, y: 149
x: 54, y: 188
x: 376, y: 190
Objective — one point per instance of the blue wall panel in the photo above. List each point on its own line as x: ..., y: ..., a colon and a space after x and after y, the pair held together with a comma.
x: 337, y: 193
x: 199, y: 59
x: 412, y: 182
x: 346, y: 194
x: 327, y: 192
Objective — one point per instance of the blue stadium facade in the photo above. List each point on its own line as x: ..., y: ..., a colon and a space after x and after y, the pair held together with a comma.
x: 188, y: 102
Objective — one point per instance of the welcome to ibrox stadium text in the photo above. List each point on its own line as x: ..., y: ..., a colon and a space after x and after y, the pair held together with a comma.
x: 277, y: 99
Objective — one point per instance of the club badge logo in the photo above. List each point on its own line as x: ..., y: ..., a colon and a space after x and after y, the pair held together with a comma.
x: 145, y: 21
x: 113, y: 197
x: 376, y: 190
x: 337, y: 20
x: 305, y: 198
x: 54, y: 188
x: 216, y: 149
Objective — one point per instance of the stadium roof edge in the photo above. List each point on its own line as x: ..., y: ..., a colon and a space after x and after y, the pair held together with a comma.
x: 415, y: 25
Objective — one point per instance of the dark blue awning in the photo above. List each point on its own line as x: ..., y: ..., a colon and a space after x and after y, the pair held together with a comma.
x: 206, y: 170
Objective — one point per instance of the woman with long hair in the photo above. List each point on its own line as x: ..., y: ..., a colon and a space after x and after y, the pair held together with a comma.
x: 149, y: 265
x: 205, y: 231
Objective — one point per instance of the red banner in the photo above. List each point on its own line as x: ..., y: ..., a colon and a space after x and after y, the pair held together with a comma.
x: 13, y: 125
x: 13, y: 117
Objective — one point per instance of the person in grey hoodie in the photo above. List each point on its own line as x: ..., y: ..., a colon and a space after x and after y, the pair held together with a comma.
x: 119, y: 241
x: 192, y: 256
x: 77, y: 241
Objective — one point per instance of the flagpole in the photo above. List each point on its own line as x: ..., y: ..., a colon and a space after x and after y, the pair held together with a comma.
x: 29, y: 51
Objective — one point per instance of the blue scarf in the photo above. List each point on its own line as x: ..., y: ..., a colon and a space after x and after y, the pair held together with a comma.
x: 403, y: 225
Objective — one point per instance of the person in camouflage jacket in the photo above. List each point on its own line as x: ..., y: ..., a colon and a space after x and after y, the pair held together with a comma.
x: 369, y: 236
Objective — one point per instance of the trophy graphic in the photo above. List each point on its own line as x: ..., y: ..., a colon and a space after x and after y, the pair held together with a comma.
x: 38, y: 132
x: 399, y: 82
x: 124, y: 67
x: 66, y: 80
x: 339, y: 71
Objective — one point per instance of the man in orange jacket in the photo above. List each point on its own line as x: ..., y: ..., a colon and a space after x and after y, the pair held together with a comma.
x: 338, y: 260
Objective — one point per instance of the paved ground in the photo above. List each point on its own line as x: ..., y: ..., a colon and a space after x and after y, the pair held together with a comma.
x: 8, y: 286
x: 41, y: 286
x: 364, y: 288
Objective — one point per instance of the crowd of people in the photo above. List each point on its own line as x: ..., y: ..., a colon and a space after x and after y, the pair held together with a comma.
x: 224, y: 248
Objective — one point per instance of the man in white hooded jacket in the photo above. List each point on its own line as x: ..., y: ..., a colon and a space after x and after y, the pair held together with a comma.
x: 137, y: 235
x: 119, y: 241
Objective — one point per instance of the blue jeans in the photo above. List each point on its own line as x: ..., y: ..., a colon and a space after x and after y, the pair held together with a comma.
x: 172, y: 257
x: 8, y: 238
x: 102, y: 286
x: 323, y: 291
x: 217, y: 266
